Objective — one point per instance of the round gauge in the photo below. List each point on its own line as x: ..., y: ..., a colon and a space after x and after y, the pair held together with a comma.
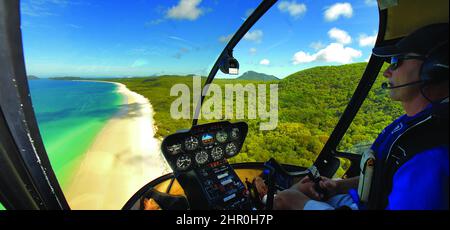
x: 217, y: 153
x: 191, y: 143
x: 183, y: 162
x: 235, y: 133
x: 221, y: 136
x: 174, y: 149
x: 201, y: 157
x: 231, y: 149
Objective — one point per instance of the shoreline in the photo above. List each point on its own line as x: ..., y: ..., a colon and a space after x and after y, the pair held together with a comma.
x: 124, y: 156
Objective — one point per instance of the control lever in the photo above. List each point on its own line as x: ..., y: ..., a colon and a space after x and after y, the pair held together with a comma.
x: 314, y: 175
x: 270, y: 173
x: 277, y: 178
x: 166, y: 201
x: 276, y: 175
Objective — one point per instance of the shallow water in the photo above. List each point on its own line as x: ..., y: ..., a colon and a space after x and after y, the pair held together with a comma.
x: 69, y: 115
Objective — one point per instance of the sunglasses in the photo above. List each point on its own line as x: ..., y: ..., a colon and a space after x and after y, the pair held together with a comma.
x: 397, y: 60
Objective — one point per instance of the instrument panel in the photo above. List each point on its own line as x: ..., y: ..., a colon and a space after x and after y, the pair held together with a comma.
x: 198, y: 158
x: 204, y: 144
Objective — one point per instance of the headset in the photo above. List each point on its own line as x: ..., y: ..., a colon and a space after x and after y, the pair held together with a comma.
x: 435, y: 67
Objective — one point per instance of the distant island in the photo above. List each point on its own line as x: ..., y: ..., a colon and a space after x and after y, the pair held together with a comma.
x: 252, y: 75
x: 32, y: 77
x: 67, y: 78
x: 249, y: 75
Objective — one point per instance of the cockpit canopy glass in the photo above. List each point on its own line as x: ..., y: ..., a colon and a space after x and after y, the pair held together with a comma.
x: 298, y: 67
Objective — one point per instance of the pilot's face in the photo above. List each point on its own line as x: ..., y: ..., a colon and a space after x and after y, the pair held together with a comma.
x: 404, y: 72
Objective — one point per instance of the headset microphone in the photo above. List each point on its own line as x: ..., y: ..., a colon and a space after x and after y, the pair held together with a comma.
x: 385, y: 85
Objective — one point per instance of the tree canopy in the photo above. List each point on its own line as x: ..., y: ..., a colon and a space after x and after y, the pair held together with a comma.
x: 310, y: 104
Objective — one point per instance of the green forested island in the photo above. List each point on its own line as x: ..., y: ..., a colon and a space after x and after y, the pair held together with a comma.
x: 69, y: 78
x: 32, y: 77
x: 310, y: 104
x: 252, y: 75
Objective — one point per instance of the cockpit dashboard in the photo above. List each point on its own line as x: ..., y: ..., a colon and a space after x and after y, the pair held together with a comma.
x: 198, y: 158
x: 204, y: 144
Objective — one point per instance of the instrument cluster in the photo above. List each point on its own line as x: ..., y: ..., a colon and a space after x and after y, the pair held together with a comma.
x: 204, y: 144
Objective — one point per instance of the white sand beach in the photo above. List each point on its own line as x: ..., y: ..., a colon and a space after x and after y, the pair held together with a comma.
x: 124, y: 157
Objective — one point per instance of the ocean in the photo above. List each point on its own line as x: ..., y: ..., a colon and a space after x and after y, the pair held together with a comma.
x: 70, y: 114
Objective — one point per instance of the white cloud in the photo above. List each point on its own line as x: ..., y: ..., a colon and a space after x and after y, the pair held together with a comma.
x: 253, y: 51
x: 365, y: 40
x: 371, y: 2
x: 302, y: 57
x: 186, y: 9
x: 334, y: 52
x: 317, y: 45
x: 340, y: 36
x: 225, y: 39
x: 264, y: 62
x: 293, y: 8
x: 178, y: 39
x: 337, y: 10
x: 255, y: 35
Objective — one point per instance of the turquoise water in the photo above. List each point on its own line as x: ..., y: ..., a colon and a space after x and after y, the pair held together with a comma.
x: 70, y: 114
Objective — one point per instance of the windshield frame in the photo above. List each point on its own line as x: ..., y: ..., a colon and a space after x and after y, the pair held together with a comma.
x: 262, y: 8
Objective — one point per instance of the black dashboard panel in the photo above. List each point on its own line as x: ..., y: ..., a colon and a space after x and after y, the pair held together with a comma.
x: 198, y: 158
x: 203, y: 144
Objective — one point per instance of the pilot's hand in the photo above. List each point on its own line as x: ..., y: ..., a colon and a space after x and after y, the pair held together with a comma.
x: 290, y: 199
x: 329, y: 185
x: 306, y: 186
x: 261, y: 186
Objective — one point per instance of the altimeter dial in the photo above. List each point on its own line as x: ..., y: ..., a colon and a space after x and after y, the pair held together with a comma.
x: 183, y: 162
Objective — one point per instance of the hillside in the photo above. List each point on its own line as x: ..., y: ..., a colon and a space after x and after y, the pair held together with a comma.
x: 310, y: 103
x: 252, y: 75
x: 67, y: 78
x: 318, y: 96
x: 32, y: 77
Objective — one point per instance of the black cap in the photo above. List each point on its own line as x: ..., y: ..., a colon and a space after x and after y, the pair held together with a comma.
x: 421, y: 41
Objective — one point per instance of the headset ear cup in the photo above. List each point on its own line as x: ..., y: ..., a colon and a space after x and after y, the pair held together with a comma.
x: 433, y: 71
x: 435, y: 68
x: 424, y: 70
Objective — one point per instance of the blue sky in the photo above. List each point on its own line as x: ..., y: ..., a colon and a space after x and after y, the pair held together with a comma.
x: 116, y: 38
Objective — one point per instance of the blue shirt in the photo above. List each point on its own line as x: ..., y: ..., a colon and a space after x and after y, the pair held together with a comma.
x: 422, y: 183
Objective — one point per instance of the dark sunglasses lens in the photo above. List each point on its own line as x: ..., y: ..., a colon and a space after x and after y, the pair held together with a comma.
x: 394, y: 60
x: 394, y: 63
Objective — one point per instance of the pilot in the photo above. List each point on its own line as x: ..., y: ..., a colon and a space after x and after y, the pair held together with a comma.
x: 410, y: 157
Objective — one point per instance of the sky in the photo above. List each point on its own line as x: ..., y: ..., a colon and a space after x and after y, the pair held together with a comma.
x: 116, y: 38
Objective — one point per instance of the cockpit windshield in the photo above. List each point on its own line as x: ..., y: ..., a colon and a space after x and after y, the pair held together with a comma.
x: 115, y: 39
x: 110, y: 79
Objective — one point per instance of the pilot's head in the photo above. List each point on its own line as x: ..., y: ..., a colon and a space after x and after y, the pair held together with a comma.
x: 419, y: 64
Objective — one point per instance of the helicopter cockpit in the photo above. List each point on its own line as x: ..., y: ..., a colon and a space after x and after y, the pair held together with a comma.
x: 205, y: 160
